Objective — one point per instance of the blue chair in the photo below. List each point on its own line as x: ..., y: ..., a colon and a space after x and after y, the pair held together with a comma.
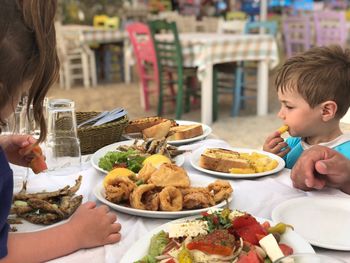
x: 243, y: 69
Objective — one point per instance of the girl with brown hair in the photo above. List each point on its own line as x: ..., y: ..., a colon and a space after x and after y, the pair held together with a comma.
x: 29, y: 64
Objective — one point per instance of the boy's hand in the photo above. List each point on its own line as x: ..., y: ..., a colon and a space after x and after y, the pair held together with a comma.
x: 274, y: 143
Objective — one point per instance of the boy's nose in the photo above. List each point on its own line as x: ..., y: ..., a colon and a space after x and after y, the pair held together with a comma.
x: 280, y: 114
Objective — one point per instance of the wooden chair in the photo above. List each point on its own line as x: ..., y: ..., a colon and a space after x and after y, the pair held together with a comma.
x: 77, y: 60
x: 146, y: 60
x: 330, y: 27
x: 171, y: 70
x: 297, y: 34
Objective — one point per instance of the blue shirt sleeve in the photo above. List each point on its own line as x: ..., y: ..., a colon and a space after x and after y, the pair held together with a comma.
x: 6, y: 192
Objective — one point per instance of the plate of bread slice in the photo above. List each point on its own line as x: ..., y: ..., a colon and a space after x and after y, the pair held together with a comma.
x: 177, y: 132
x: 236, y: 162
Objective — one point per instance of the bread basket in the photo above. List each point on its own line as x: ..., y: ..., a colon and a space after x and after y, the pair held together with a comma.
x: 93, y: 138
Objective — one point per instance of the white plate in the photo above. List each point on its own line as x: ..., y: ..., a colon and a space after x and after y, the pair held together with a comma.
x: 206, y: 131
x: 197, y: 153
x: 140, y: 248
x: 100, y: 195
x: 179, y: 160
x: 323, y: 221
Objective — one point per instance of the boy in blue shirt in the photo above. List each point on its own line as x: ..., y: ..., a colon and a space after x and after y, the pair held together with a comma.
x: 314, y: 91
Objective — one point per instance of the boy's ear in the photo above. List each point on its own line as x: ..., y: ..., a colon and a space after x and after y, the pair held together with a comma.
x: 329, y: 109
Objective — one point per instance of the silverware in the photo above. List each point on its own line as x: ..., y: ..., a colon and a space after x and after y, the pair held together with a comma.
x: 113, y: 115
x: 99, y: 116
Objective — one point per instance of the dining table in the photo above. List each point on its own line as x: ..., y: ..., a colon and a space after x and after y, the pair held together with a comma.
x: 257, y: 196
x: 204, y: 50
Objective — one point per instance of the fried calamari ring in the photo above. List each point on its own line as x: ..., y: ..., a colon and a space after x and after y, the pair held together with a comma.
x: 151, y: 200
x: 170, y: 199
x: 221, y: 190
x: 137, y: 197
x: 119, y: 189
x: 197, y: 197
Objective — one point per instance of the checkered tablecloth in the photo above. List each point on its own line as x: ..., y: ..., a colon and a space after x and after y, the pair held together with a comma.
x: 201, y: 49
x: 102, y: 36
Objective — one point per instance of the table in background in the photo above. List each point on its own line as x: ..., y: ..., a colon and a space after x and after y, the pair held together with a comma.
x: 204, y: 50
x: 257, y: 196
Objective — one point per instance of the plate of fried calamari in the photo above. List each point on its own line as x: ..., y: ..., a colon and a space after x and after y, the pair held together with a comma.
x: 38, y: 209
x: 163, y: 192
x: 131, y: 153
x: 237, y: 163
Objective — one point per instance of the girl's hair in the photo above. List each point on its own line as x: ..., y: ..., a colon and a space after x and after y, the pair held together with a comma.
x: 28, y: 53
x: 318, y: 75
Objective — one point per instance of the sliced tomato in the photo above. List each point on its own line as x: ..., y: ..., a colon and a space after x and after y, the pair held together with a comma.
x: 252, y: 233
x: 170, y: 261
x: 266, y: 225
x: 210, y: 248
x: 286, y: 250
x: 251, y: 257
x: 243, y: 221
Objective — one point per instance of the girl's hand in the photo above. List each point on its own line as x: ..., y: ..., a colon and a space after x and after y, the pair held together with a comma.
x: 274, y: 143
x: 94, y: 226
x: 13, y: 146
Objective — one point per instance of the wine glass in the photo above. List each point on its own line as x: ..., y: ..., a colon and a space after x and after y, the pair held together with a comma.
x: 308, y: 258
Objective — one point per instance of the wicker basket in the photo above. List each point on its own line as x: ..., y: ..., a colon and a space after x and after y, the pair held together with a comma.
x: 94, y: 138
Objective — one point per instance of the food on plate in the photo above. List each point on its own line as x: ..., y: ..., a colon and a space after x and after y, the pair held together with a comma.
x: 170, y: 199
x: 47, y: 207
x: 139, y: 125
x: 228, y: 161
x: 166, y: 188
x: 157, y: 131
x: 221, y: 160
x: 133, y: 156
x: 156, y: 160
x: 158, y: 128
x: 283, y: 129
x: 145, y: 197
x: 183, y: 132
x: 170, y: 175
x: 217, y: 236
x: 117, y: 172
x: 37, y: 164
x: 197, y: 197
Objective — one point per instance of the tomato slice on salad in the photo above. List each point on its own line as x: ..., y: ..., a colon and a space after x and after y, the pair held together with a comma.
x: 248, y: 228
x: 218, y: 242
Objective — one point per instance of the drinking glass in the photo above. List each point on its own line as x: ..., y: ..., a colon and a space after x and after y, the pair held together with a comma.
x: 62, y: 148
x: 308, y: 258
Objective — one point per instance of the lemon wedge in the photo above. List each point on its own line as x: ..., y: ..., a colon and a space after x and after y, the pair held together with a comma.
x: 156, y: 160
x: 116, y: 172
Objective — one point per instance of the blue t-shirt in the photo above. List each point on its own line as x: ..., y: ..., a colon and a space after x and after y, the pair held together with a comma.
x: 6, y: 191
x: 297, y: 146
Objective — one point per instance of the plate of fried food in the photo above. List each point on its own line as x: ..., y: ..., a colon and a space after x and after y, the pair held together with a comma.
x: 177, y: 132
x: 38, y: 208
x: 220, y: 235
x: 132, y: 153
x: 236, y: 162
x: 160, y: 192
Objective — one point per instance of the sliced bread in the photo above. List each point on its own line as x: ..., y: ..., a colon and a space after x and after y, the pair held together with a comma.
x: 182, y: 132
x: 157, y: 131
x: 221, y: 160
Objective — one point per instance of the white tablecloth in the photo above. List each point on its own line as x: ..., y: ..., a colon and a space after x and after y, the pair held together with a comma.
x: 256, y: 196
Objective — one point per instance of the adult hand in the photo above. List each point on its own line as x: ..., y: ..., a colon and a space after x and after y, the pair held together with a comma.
x: 12, y: 144
x: 274, y: 143
x: 321, y: 166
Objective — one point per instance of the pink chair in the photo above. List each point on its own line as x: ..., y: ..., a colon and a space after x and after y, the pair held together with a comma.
x: 297, y: 34
x: 146, y: 60
x: 330, y: 27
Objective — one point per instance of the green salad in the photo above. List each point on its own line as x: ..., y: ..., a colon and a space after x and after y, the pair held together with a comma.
x: 130, y: 159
